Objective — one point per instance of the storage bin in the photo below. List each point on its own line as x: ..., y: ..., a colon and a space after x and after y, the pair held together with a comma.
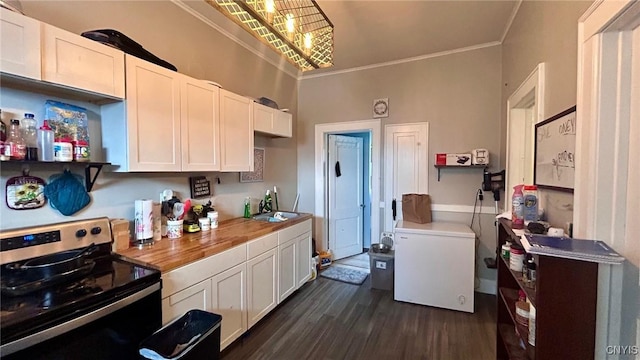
x: 194, y: 336
x: 382, y: 270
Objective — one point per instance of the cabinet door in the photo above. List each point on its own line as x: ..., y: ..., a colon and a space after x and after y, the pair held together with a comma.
x: 262, y: 285
x: 236, y: 132
x: 200, y: 126
x: 197, y: 296
x: 271, y: 121
x: 228, y: 300
x: 75, y: 61
x: 287, y: 282
x: 20, y: 45
x: 283, y: 124
x: 262, y: 118
x: 303, y: 261
x: 153, y: 117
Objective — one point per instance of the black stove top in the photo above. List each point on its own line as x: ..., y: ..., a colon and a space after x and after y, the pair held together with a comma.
x: 108, y: 278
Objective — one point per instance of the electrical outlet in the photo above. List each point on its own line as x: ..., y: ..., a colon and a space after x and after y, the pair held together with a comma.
x: 480, y: 195
x: 381, y: 265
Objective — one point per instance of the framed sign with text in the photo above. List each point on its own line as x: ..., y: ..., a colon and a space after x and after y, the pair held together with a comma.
x: 200, y: 186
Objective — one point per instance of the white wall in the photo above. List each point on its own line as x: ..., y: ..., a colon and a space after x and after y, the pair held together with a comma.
x: 458, y: 94
x: 544, y: 31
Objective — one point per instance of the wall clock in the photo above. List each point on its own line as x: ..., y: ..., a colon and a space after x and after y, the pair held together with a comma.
x: 381, y: 108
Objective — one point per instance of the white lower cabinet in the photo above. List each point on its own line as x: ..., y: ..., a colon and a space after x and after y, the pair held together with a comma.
x: 228, y: 299
x: 242, y: 284
x: 197, y: 296
x: 262, y: 285
x: 303, y: 259
x: 287, y: 283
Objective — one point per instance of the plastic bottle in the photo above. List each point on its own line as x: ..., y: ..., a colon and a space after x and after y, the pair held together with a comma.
x: 517, y: 208
x: 29, y: 128
x: 247, y: 207
x: 530, y: 203
x: 45, y: 142
x: 532, y: 325
x: 15, y: 147
x: 3, y: 137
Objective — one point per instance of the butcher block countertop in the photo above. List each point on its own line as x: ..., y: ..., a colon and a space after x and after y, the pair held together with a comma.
x: 168, y: 254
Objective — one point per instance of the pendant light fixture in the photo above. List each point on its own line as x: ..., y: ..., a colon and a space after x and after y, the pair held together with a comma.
x: 297, y: 29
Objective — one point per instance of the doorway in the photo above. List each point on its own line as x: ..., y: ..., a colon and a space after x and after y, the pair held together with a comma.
x: 349, y: 193
x: 369, y: 132
x: 525, y: 108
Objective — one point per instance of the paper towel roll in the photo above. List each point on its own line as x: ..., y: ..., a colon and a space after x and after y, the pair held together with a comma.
x: 143, y: 220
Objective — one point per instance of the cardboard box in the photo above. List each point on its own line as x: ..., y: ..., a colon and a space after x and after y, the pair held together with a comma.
x: 453, y: 159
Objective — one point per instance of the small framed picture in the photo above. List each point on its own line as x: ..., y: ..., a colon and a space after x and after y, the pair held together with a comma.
x: 257, y: 174
x: 381, y: 108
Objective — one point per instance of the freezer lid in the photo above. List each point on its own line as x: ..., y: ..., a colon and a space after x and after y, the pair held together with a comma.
x: 435, y: 228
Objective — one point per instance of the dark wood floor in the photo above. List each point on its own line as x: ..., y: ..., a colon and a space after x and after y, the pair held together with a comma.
x: 327, y: 319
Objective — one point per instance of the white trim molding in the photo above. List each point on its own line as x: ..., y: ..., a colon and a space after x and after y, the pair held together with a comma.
x: 514, y: 12
x: 321, y: 132
x: 401, y: 61
x: 606, y: 194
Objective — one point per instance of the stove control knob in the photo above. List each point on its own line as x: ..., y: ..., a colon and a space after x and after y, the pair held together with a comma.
x: 96, y: 230
x: 81, y: 233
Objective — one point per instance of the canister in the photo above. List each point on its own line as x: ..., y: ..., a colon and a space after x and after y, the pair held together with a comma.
x: 516, y: 256
x: 205, y: 223
x: 174, y: 229
x: 213, y: 216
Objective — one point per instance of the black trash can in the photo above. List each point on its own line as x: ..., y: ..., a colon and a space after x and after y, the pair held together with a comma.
x: 194, y: 336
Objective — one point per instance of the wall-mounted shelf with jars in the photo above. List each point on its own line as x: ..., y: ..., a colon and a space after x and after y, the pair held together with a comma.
x: 90, y: 176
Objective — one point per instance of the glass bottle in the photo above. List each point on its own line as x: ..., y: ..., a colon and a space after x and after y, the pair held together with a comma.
x: 15, y: 147
x: 29, y: 129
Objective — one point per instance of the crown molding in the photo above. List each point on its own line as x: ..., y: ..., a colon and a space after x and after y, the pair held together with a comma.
x: 511, y: 19
x: 402, y: 61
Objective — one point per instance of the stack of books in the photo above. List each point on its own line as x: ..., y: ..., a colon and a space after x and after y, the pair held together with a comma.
x: 578, y: 249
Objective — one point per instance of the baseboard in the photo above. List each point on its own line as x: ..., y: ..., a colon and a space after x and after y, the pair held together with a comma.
x: 487, y: 286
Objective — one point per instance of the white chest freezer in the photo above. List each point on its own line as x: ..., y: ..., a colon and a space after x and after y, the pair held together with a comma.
x: 435, y: 264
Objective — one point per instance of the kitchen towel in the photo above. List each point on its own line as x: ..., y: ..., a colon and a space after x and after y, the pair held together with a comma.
x: 143, y: 219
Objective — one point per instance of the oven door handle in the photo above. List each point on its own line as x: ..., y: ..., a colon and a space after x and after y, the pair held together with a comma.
x: 33, y: 339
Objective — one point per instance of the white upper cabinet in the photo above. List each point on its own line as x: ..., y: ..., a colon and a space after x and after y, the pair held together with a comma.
x: 271, y: 122
x: 72, y: 60
x: 19, y: 45
x: 200, y: 125
x: 236, y: 132
x: 152, y: 117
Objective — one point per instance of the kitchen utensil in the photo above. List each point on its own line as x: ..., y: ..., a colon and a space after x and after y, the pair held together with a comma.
x: 178, y: 210
x: 380, y: 248
x: 55, y: 264
x: 166, y: 195
x: 187, y: 207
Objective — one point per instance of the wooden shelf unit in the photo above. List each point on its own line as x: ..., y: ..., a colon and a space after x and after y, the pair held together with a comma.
x: 565, y: 301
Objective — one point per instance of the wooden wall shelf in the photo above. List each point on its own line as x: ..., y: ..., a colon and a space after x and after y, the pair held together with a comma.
x: 89, y: 176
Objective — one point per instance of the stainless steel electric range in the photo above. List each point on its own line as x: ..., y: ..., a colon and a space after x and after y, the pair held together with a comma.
x: 65, y: 295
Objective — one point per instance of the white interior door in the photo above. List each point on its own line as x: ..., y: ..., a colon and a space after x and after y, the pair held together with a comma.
x: 405, y: 166
x: 345, y: 195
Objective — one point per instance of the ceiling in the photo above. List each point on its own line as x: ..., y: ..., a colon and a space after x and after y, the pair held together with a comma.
x: 371, y: 32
